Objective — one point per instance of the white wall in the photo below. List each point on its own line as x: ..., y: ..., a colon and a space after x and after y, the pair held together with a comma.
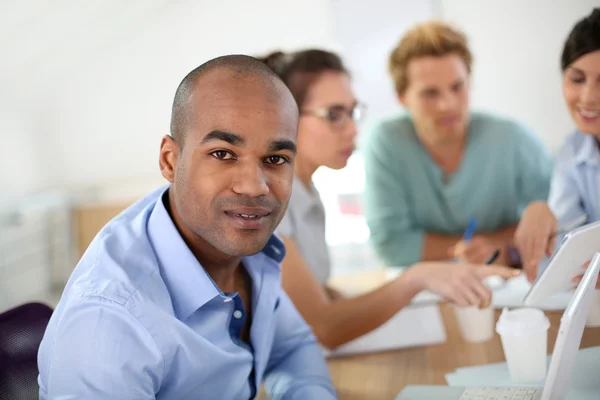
x: 113, y: 113
x: 517, y: 46
x: 94, y: 96
x: 24, y: 167
x: 368, y: 31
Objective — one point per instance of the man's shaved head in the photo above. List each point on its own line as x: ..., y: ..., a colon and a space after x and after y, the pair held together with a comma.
x: 230, y: 156
x: 240, y: 67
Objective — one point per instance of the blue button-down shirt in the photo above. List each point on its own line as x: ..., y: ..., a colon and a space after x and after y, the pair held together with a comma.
x: 141, y: 319
x: 575, y: 187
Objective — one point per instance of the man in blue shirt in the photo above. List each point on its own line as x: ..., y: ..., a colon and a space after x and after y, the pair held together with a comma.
x: 179, y: 296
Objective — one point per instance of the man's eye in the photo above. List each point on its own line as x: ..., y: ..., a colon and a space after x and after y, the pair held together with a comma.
x: 457, y: 87
x: 222, y: 155
x: 277, y: 160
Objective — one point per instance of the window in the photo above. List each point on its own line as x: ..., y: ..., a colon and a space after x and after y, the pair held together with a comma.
x: 346, y: 230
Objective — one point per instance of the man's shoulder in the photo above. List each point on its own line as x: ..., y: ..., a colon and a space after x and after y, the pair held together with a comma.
x: 396, y: 128
x: 393, y: 139
x: 117, y: 282
x: 505, y: 132
x: 495, y: 124
x: 120, y: 260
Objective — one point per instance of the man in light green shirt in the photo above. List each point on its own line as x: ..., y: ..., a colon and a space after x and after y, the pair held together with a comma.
x: 428, y: 172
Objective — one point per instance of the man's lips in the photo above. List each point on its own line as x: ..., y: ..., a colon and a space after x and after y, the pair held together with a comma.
x: 255, y: 212
x: 248, y: 218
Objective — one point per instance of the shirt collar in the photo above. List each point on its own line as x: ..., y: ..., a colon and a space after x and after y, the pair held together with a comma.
x: 588, y: 152
x: 188, y: 283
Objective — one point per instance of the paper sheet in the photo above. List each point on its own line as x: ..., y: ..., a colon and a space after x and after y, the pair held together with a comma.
x: 413, y: 326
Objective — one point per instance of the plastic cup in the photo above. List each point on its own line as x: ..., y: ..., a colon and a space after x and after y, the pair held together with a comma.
x: 475, y: 324
x: 593, y: 318
x: 524, y: 335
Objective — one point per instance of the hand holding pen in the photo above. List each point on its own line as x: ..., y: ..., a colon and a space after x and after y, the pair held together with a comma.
x: 471, y: 248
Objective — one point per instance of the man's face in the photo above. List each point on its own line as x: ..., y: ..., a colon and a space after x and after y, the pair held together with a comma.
x: 438, y: 97
x: 233, y: 178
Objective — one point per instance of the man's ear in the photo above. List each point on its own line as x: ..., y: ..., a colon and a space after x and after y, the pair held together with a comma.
x: 401, y: 98
x: 169, y: 154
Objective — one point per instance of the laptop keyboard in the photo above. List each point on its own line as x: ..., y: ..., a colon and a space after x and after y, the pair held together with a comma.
x: 502, y: 393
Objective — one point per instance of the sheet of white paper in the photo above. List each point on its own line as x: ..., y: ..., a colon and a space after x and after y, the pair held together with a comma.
x: 413, y: 326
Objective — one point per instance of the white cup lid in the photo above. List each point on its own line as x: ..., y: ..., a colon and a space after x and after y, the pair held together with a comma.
x: 522, y: 322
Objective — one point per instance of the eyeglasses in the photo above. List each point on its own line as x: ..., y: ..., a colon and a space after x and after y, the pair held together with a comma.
x: 339, y: 115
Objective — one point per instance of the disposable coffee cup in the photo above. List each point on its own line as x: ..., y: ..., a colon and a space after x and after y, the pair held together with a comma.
x: 475, y: 324
x: 593, y: 318
x: 524, y: 335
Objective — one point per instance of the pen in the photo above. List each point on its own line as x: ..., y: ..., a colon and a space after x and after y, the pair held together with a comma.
x: 493, y: 257
x: 470, y: 231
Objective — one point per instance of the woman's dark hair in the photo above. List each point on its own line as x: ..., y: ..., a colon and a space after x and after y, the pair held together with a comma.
x: 583, y: 39
x: 298, y: 70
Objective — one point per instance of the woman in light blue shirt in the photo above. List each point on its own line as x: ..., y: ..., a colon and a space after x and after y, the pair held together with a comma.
x: 575, y: 188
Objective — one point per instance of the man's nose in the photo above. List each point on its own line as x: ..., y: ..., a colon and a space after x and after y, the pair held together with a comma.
x: 250, y: 180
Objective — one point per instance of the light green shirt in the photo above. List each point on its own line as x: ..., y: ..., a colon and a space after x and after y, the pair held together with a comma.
x: 504, y: 168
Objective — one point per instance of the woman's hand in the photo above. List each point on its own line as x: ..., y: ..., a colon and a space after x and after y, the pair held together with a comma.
x: 462, y: 284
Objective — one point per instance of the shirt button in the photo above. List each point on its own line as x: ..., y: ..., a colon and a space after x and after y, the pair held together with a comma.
x: 237, y: 314
x: 227, y: 300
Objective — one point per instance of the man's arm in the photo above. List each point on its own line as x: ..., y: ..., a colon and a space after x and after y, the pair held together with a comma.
x: 441, y: 247
x: 437, y: 247
x: 98, y: 350
x: 296, y: 369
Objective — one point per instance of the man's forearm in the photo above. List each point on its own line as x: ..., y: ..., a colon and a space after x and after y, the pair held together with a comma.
x: 503, y: 236
x: 436, y: 247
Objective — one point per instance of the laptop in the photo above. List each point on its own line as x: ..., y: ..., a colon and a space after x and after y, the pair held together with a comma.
x: 562, y: 364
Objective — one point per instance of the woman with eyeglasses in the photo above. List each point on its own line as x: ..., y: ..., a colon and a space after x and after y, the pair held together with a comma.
x: 327, y: 131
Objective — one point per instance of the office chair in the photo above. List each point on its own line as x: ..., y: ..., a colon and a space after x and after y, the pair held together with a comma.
x: 21, y: 331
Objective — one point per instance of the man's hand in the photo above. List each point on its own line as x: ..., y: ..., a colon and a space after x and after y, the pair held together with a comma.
x: 535, y: 236
x: 476, y: 251
x: 460, y: 283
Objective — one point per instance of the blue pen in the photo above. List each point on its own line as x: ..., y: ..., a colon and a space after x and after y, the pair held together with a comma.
x: 468, y: 235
